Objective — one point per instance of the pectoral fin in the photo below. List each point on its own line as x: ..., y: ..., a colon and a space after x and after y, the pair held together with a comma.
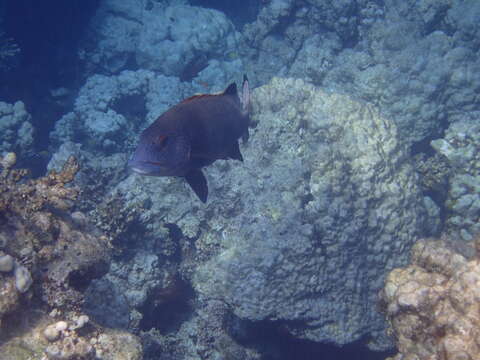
x: 198, y: 183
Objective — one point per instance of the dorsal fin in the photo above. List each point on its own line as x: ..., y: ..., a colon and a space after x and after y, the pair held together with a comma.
x: 231, y: 89
x: 196, y: 97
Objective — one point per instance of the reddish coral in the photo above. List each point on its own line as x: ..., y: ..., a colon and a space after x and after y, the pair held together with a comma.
x: 433, y: 305
x: 25, y: 198
x: 37, y: 228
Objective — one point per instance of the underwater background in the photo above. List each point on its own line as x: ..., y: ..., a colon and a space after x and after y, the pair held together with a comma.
x: 349, y: 231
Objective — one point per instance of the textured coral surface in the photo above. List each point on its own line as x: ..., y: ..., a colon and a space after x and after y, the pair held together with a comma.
x: 460, y: 149
x: 433, y: 305
x: 299, y: 237
x: 277, y: 242
x: 16, y: 130
x: 416, y: 60
x: 48, y: 255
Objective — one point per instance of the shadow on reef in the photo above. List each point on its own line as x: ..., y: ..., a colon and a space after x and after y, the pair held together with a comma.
x: 168, y: 309
x: 273, y: 340
x: 240, y: 12
x: 132, y: 107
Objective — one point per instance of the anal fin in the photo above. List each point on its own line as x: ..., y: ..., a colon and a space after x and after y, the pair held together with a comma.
x: 245, y: 136
x: 235, y: 152
x: 198, y: 183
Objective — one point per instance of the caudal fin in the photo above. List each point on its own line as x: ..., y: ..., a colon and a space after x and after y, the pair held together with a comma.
x: 245, y: 96
x: 245, y: 100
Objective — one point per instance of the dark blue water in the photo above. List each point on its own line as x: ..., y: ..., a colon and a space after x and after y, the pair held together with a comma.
x: 48, y: 34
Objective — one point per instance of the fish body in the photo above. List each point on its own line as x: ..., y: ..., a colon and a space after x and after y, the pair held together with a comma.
x: 193, y: 134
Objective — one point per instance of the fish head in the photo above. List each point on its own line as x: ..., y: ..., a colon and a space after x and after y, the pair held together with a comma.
x: 161, y: 155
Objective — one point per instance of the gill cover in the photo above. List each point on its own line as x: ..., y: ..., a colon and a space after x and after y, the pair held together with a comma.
x: 162, y: 155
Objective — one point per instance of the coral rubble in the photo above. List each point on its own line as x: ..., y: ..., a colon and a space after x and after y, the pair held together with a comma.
x: 45, y: 337
x: 48, y: 255
x: 432, y: 305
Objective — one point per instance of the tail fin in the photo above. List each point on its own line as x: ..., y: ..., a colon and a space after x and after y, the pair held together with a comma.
x: 245, y: 100
x: 245, y: 96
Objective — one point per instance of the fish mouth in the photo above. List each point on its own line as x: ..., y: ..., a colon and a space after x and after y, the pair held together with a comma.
x: 140, y: 171
x: 147, y: 168
x: 153, y: 168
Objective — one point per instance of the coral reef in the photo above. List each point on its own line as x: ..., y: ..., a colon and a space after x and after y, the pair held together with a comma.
x: 415, y: 60
x: 461, y: 148
x: 16, y: 130
x: 172, y: 36
x: 177, y: 34
x: 127, y: 286
x: 96, y: 122
x: 25, y: 199
x: 299, y: 236
x: 39, y: 336
x: 37, y: 239
x: 433, y: 304
x: 296, y: 256
x: 283, y: 248
x: 48, y: 255
x: 95, y: 177
x: 110, y: 111
x: 434, y: 173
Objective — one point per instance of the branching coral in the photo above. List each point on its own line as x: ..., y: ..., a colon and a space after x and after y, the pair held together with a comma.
x: 433, y: 305
x: 26, y: 198
x: 68, y: 338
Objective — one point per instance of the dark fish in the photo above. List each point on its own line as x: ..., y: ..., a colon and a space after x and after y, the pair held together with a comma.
x: 193, y: 134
